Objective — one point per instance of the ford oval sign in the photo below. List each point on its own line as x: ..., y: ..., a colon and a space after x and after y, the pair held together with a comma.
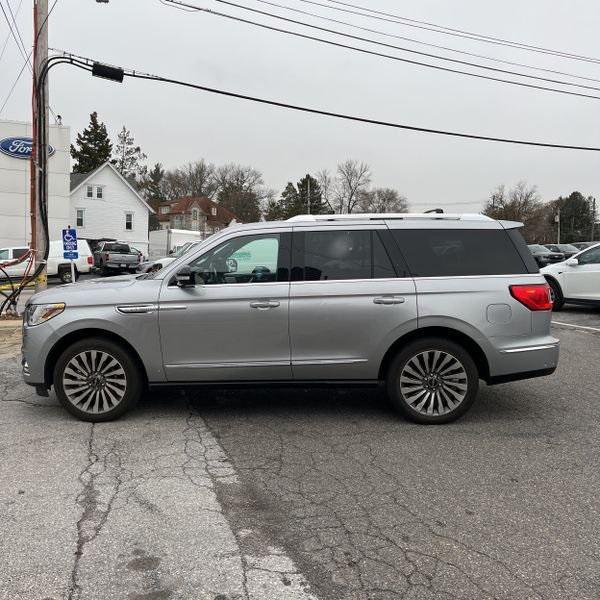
x: 19, y: 147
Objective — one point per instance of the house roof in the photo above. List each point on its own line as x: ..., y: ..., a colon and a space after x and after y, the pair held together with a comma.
x: 183, y: 205
x: 79, y: 179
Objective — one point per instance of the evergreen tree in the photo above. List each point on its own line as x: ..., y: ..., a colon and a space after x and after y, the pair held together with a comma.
x: 129, y: 158
x: 316, y: 206
x: 93, y: 147
x: 153, y: 191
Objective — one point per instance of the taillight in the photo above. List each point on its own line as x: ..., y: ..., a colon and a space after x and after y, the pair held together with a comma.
x: 534, y: 297
x: 90, y: 260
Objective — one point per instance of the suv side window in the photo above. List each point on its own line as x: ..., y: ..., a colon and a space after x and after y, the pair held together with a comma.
x: 19, y: 252
x: 340, y: 254
x: 245, y: 259
x: 459, y: 252
x: 591, y: 257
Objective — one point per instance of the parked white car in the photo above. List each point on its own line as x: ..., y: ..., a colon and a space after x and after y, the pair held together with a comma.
x: 159, y: 263
x: 575, y: 280
x: 57, y: 266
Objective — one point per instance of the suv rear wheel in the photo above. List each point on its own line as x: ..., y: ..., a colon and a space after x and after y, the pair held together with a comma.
x: 433, y: 381
x: 96, y: 380
x: 556, y: 294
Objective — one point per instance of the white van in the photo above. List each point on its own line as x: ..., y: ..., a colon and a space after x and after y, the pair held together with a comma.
x: 57, y: 265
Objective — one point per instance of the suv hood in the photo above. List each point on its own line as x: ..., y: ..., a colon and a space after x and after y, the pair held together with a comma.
x: 126, y: 289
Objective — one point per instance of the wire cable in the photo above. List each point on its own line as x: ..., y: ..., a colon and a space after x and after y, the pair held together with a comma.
x: 8, y: 34
x: 87, y: 62
x: 22, y: 49
x: 376, y: 14
x: 364, y: 50
x: 422, y: 43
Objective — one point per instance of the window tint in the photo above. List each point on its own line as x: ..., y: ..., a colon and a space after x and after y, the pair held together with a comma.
x: 245, y: 259
x: 456, y: 252
x: 591, y: 257
x: 337, y: 255
x: 18, y: 252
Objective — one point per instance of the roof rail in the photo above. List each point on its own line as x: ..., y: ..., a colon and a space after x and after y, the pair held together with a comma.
x: 393, y: 216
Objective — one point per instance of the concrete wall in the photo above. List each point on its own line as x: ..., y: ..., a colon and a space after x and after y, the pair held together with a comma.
x: 106, y: 217
x: 14, y: 186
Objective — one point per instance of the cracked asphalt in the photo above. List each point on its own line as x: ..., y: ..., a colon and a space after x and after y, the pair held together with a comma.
x: 305, y: 494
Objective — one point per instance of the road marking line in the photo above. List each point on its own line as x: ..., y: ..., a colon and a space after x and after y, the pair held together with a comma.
x: 576, y: 326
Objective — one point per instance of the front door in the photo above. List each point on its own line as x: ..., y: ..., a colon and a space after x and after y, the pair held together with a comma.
x: 233, y: 325
x: 348, y: 302
x: 582, y: 281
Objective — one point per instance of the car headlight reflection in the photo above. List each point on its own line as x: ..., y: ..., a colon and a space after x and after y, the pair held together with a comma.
x: 35, y: 314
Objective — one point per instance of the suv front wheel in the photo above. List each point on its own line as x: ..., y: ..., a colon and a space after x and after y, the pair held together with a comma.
x: 433, y: 381
x: 96, y: 380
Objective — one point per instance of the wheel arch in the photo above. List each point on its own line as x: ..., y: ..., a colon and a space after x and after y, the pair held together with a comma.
x: 467, y: 342
x: 63, y: 343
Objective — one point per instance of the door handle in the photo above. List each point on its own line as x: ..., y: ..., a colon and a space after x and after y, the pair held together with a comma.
x: 264, y: 304
x: 388, y: 300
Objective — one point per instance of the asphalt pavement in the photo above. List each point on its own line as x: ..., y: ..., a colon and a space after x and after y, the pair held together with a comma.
x: 306, y: 494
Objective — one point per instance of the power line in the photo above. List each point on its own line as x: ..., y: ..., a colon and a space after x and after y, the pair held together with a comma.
x: 84, y: 62
x: 423, y: 43
x: 16, y: 25
x: 22, y: 50
x: 8, y: 34
x: 363, y: 50
x: 376, y: 14
x: 412, y: 51
x: 28, y: 63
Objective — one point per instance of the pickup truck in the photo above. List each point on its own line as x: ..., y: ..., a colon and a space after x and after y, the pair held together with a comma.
x: 112, y: 257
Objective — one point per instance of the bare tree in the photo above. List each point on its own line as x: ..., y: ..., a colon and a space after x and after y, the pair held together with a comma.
x: 327, y: 185
x: 241, y: 190
x: 193, y: 179
x: 353, y: 178
x: 382, y: 200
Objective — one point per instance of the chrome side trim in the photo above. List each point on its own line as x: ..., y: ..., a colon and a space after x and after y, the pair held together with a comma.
x: 530, y: 349
x: 236, y: 365
x: 136, y: 309
x: 328, y: 361
x: 163, y: 308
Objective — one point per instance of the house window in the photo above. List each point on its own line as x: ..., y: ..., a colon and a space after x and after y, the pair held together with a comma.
x: 194, y: 214
x: 213, y: 211
x: 164, y: 210
x: 90, y: 191
x: 128, y: 221
x: 79, y: 218
x: 99, y: 192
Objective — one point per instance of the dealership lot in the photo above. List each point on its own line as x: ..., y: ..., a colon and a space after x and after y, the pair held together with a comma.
x: 306, y: 493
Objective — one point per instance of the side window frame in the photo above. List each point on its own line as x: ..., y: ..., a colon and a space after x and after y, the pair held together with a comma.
x: 583, y: 254
x: 397, y: 262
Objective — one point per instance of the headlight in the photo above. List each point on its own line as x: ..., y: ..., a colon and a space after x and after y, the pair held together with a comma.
x: 40, y: 313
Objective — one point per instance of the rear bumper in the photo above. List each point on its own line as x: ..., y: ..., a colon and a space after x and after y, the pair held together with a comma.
x: 524, y: 362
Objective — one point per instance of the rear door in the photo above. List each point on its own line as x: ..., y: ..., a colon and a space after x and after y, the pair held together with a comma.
x: 348, y: 301
x: 582, y: 281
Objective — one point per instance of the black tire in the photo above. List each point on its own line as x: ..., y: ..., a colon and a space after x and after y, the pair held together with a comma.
x: 557, y: 295
x: 104, y: 271
x: 64, y: 274
x: 78, y: 359
x: 446, y: 390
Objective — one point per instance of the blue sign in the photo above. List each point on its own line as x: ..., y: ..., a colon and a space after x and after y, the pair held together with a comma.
x: 20, y: 147
x: 69, y: 238
x: 71, y: 255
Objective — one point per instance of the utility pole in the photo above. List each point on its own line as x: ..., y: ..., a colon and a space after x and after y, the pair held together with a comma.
x: 558, y: 221
x: 39, y: 128
x: 593, y: 218
x: 308, y: 199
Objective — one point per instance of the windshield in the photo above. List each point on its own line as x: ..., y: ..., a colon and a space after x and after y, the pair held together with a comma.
x: 184, y: 249
x: 537, y: 248
x: 191, y: 246
x: 116, y: 247
x: 568, y: 248
x: 4, y: 254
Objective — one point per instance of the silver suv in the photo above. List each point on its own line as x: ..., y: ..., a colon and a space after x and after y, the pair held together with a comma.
x: 426, y: 304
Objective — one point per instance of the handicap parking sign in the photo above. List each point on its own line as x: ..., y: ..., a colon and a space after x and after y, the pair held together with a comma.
x: 69, y: 237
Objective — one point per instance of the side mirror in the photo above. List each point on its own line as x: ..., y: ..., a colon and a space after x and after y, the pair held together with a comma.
x: 571, y: 262
x: 185, y: 277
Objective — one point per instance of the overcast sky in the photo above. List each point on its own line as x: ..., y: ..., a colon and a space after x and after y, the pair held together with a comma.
x: 174, y: 125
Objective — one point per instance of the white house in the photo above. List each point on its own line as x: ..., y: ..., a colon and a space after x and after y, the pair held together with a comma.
x: 15, y: 151
x: 105, y: 205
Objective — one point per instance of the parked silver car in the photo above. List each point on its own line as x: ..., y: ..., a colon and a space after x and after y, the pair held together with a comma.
x: 426, y: 304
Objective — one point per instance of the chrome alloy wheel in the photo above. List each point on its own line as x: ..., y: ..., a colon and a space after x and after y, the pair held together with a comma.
x: 94, y: 381
x: 433, y: 382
